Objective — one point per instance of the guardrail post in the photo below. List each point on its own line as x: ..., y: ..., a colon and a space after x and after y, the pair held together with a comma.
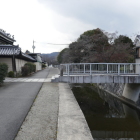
x: 61, y: 71
x: 84, y: 69
x: 124, y: 69
x: 68, y: 70
x: 90, y: 69
x: 118, y: 69
x: 107, y: 68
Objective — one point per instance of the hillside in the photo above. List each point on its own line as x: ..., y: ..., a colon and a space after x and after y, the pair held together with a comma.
x: 50, y: 57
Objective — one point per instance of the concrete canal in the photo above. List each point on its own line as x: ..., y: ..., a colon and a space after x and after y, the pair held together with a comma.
x: 108, y: 118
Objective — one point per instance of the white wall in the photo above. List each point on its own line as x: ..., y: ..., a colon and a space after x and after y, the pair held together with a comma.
x: 8, y: 61
x: 137, y: 66
x: 19, y: 63
x: 38, y: 66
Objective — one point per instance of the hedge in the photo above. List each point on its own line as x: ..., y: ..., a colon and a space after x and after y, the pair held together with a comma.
x: 3, y: 71
x: 10, y: 74
x: 28, y: 68
x: 44, y: 66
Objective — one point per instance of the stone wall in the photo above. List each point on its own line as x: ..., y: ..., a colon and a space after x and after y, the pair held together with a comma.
x: 114, y: 88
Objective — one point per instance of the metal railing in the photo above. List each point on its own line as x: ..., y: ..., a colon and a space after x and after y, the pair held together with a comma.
x: 100, y: 68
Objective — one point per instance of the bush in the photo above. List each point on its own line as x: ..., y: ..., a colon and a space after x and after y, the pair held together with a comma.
x: 28, y: 68
x: 10, y: 74
x: 25, y: 70
x: 32, y: 67
x: 3, y: 71
x: 43, y: 66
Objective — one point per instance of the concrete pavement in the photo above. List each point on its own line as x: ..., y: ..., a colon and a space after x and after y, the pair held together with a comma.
x: 71, y: 121
x: 16, y: 99
x: 55, y: 115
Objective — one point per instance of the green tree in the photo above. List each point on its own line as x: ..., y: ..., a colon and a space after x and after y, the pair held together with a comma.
x: 3, y: 71
x: 99, y: 46
x: 63, y: 56
x: 123, y: 39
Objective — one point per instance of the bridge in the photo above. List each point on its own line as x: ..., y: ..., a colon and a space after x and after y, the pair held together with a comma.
x: 127, y: 73
x: 98, y: 73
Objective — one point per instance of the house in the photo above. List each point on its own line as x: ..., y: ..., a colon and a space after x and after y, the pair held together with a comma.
x: 12, y: 54
x: 137, y: 48
x: 137, y: 52
x: 38, y: 58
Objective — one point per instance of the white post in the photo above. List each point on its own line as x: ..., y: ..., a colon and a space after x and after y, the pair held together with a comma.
x: 124, y: 69
x: 84, y: 68
x: 90, y: 69
x: 107, y: 68
x: 118, y: 69
x: 68, y: 70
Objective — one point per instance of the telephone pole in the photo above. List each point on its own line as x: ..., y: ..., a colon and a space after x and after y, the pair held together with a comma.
x: 33, y: 46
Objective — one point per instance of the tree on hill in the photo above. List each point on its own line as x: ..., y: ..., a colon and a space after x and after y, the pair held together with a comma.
x: 96, y: 46
x: 124, y: 40
x: 63, y: 56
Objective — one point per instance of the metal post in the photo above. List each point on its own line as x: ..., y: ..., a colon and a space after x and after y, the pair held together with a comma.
x: 33, y: 46
x: 107, y: 68
x: 90, y: 69
x: 124, y: 69
x: 84, y: 68
x: 68, y: 70
x: 118, y: 69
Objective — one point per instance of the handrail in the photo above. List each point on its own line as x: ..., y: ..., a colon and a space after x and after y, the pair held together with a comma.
x: 100, y: 68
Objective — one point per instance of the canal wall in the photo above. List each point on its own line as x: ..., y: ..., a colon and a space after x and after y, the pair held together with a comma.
x: 117, y: 90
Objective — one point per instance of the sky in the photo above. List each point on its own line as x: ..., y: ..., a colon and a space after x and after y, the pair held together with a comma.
x: 62, y: 21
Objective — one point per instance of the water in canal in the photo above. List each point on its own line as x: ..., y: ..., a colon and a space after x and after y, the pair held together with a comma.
x: 108, y: 118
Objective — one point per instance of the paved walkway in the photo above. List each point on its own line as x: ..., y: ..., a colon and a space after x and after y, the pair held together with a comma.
x: 27, y: 80
x: 16, y: 99
x: 41, y: 121
x: 55, y: 115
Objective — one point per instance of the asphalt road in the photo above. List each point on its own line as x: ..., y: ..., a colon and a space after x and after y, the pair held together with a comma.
x: 16, y: 100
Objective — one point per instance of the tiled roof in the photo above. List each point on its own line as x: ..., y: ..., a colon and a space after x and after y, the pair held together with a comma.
x: 16, y: 50
x: 6, y: 36
x: 27, y: 56
x: 9, y: 50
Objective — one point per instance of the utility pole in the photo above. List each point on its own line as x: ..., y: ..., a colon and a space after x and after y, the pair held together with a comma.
x: 33, y: 46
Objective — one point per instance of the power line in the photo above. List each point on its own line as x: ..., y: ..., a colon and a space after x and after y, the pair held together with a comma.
x: 51, y: 43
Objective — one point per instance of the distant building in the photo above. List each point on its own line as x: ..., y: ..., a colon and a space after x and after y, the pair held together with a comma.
x: 12, y: 54
x: 137, y: 52
x: 37, y: 57
x: 137, y: 48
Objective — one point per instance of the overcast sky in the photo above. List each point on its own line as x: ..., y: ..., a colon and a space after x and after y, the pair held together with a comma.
x: 62, y: 21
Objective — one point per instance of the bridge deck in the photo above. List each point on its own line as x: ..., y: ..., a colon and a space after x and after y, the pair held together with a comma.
x: 97, y: 78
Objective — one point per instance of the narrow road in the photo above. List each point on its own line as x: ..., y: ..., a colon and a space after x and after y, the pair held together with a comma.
x: 16, y: 99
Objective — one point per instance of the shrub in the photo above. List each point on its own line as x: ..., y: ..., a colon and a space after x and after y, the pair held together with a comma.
x: 3, y: 71
x: 43, y: 66
x: 25, y: 70
x: 11, y: 74
x: 32, y: 67
x: 28, y: 68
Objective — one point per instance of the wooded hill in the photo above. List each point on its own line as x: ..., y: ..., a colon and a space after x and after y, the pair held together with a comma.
x: 98, y: 46
x: 50, y: 58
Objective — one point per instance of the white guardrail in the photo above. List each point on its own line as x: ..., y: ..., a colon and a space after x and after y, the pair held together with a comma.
x: 99, y: 68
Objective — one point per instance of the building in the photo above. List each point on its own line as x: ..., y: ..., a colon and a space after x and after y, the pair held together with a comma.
x: 38, y: 58
x: 12, y: 54
x: 137, y: 52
